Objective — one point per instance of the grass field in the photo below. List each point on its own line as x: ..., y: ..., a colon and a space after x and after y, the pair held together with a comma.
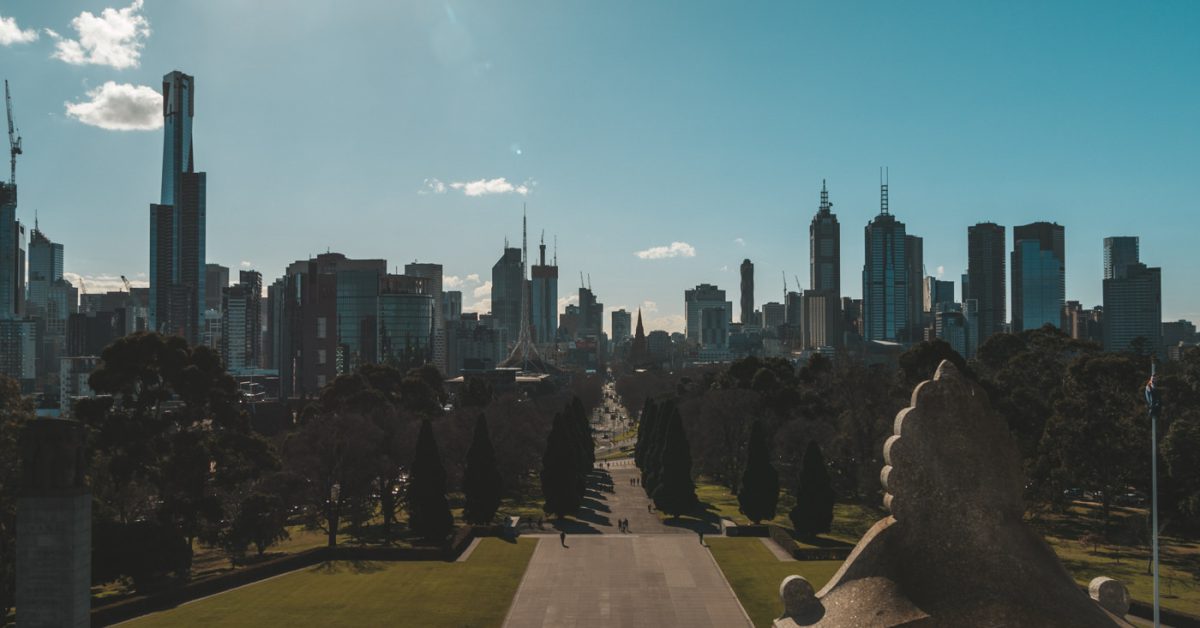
x: 755, y: 574
x: 477, y: 592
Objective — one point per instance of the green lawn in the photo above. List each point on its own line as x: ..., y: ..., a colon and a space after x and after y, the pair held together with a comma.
x: 477, y: 592
x: 850, y: 521
x: 755, y: 574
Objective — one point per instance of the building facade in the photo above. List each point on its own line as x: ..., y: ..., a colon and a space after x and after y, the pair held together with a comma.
x: 985, y: 276
x: 747, y: 312
x: 506, y: 293
x: 178, y: 221
x: 695, y: 301
x: 543, y: 291
x: 885, y: 277
x: 1133, y: 309
x: 1039, y: 280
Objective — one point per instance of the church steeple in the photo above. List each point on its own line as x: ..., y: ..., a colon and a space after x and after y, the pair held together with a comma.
x: 638, y: 353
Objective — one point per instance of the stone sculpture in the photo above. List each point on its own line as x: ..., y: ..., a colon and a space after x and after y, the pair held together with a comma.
x: 955, y: 551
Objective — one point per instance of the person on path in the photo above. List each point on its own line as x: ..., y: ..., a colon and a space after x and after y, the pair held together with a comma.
x: 701, y: 536
x: 562, y: 537
x: 650, y: 508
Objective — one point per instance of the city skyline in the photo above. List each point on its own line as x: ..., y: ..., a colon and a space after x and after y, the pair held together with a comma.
x: 455, y: 191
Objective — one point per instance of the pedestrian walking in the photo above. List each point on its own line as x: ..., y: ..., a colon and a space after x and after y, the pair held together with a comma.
x: 701, y: 536
x: 650, y: 508
x: 562, y: 538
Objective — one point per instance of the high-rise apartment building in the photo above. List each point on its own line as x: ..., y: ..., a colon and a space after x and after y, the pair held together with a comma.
x: 985, y: 276
x: 406, y: 307
x: 591, y: 314
x: 45, y: 268
x: 774, y: 314
x: 1132, y: 299
x: 543, y: 291
x: 936, y: 291
x: 914, y: 254
x: 695, y: 301
x: 452, y: 305
x: 1039, y: 280
x: 506, y: 293
x: 885, y: 309
x: 241, y: 327
x: 1119, y: 253
x: 747, y: 312
x: 12, y: 255
x: 216, y: 279
x: 177, y: 221
x: 622, y: 324
x: 821, y: 319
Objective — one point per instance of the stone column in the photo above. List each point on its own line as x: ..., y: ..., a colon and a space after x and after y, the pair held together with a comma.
x: 54, y: 527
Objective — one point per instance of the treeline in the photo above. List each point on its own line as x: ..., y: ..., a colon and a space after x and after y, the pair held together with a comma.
x: 173, y: 459
x: 1077, y: 412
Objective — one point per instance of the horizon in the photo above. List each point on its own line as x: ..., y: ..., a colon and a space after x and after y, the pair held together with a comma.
x: 695, y: 154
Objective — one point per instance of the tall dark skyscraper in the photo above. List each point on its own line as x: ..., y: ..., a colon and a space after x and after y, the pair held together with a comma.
x: 1119, y: 253
x: 825, y: 249
x: 177, y: 222
x: 506, y: 293
x: 914, y: 259
x: 544, y: 297
x: 12, y: 254
x: 885, y: 308
x: 825, y: 275
x: 748, y: 293
x: 1039, y: 276
x: 986, y: 276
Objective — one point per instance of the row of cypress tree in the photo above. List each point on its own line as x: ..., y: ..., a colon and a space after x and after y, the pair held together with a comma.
x: 428, y: 510
x: 569, y: 458
x: 663, y: 455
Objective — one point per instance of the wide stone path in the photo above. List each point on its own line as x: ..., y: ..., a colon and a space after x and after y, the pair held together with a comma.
x: 628, y: 580
x: 657, y: 575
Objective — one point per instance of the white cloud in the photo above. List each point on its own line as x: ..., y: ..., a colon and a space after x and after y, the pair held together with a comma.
x: 115, y: 38
x: 675, y: 249
x: 120, y: 107
x: 11, y: 34
x: 563, y: 302
x: 739, y: 241
x: 490, y: 186
x: 649, y: 306
x: 671, y: 323
x: 454, y: 282
x: 246, y: 264
x: 432, y: 186
x: 482, y: 306
x: 941, y: 270
x: 483, y: 291
x: 96, y: 284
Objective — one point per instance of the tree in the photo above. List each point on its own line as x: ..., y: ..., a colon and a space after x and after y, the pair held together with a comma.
x: 15, y: 410
x: 335, y: 457
x: 760, y: 482
x: 428, y: 511
x: 147, y: 552
x: 170, y: 422
x: 652, y: 466
x: 559, y: 470
x: 645, y: 426
x: 481, y: 483
x: 675, y: 493
x: 1095, y: 439
x: 813, y: 513
x: 259, y: 519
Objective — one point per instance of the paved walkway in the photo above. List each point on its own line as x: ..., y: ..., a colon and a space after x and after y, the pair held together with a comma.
x: 628, y: 580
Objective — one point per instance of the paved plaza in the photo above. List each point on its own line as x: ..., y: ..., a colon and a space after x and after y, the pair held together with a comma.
x: 655, y: 575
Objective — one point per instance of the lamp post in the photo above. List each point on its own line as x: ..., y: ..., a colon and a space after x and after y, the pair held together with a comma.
x: 1154, y: 406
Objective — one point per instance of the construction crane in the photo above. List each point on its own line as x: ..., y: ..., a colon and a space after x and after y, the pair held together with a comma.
x: 125, y: 281
x: 14, y: 137
x: 784, y: 274
x: 799, y: 290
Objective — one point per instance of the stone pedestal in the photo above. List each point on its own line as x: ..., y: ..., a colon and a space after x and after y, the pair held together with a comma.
x: 54, y: 527
x: 54, y: 560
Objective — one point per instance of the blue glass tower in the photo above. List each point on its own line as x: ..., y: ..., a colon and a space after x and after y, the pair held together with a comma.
x: 885, y: 277
x: 1039, y: 280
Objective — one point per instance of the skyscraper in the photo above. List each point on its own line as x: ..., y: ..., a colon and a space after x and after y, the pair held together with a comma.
x: 433, y: 272
x: 695, y: 301
x: 12, y: 254
x: 506, y: 293
x: 216, y: 279
x: 45, y: 268
x: 544, y: 297
x: 1039, y: 277
x: 621, y: 326
x: 825, y: 249
x: 241, y: 327
x: 1119, y: 252
x: 1132, y: 299
x: 885, y: 309
x: 591, y: 314
x: 914, y: 257
x: 177, y: 222
x: 747, y: 314
x: 985, y: 276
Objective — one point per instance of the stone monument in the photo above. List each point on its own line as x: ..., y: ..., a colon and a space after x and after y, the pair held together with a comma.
x: 54, y: 527
x: 954, y: 551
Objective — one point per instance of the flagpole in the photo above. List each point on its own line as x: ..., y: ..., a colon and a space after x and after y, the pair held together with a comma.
x: 1154, y: 401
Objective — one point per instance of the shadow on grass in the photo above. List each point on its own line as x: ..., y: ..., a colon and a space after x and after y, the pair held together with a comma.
x: 336, y: 567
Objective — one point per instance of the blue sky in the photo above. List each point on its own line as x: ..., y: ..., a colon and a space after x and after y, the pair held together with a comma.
x: 626, y: 125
